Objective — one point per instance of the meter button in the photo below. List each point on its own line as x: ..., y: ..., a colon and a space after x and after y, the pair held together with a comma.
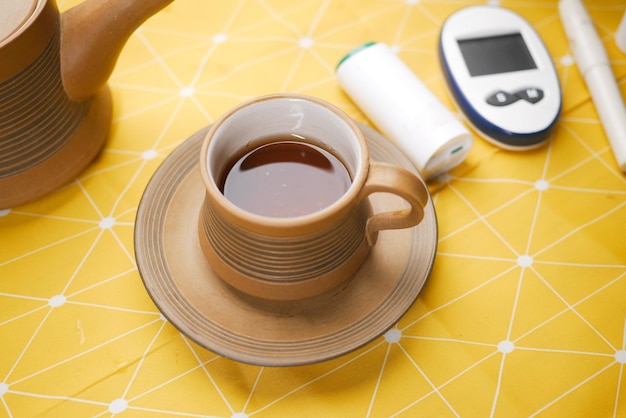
x: 530, y: 94
x: 502, y: 98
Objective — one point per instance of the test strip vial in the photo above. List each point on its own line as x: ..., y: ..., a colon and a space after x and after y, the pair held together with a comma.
x: 404, y: 109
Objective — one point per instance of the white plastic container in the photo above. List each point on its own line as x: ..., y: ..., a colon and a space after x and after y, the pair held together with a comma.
x: 404, y: 109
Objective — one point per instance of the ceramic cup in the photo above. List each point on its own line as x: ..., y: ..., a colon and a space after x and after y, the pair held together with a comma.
x: 292, y: 258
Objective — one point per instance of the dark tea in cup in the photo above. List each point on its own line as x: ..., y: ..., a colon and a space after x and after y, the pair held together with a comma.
x: 285, y: 177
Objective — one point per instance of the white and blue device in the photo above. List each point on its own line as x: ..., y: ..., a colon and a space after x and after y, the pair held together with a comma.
x: 501, y: 76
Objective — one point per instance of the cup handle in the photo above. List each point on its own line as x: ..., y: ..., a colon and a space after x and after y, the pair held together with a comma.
x: 388, y: 178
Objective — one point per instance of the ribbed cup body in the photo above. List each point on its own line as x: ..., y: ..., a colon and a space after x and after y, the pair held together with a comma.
x: 275, y: 266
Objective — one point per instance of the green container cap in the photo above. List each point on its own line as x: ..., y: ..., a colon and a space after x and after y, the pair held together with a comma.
x: 354, y: 52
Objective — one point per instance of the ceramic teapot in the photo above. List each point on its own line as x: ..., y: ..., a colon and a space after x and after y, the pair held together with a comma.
x: 55, y: 106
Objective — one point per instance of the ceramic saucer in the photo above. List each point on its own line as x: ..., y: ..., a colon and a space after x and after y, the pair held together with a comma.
x: 219, y: 318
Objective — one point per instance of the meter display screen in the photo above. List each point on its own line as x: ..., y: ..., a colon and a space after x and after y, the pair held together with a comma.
x: 496, y: 54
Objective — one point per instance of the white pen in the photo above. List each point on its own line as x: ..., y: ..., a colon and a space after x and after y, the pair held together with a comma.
x: 593, y: 63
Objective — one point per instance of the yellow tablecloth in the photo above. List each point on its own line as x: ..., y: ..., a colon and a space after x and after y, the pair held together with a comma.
x: 524, y: 313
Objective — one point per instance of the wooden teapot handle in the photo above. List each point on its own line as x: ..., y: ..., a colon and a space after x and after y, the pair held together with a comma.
x: 387, y: 178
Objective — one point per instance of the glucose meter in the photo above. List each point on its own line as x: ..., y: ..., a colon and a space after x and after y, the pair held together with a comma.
x: 501, y: 76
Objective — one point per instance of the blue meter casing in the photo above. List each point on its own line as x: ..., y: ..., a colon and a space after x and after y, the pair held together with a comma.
x: 501, y: 76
